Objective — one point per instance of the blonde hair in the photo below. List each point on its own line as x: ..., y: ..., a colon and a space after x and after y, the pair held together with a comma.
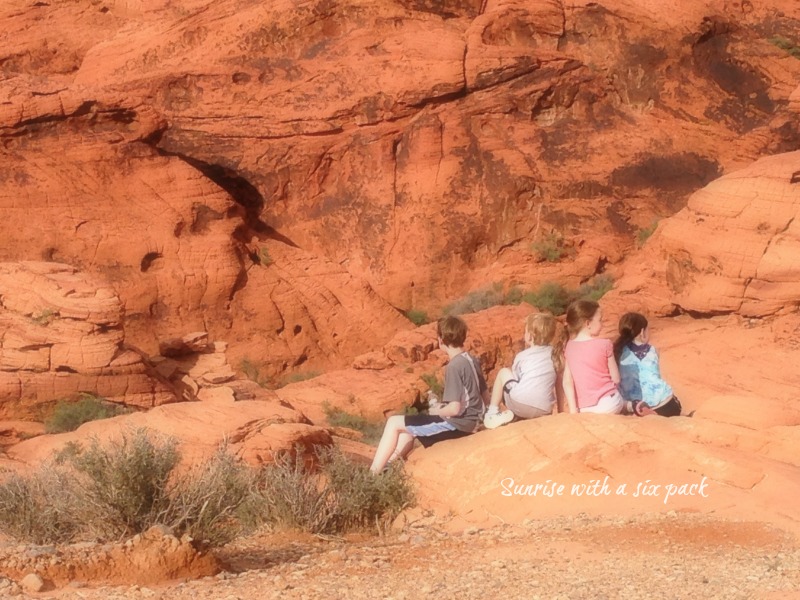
x: 545, y: 330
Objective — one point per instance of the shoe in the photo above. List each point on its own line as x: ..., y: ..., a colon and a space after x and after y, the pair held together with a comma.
x: 496, y: 420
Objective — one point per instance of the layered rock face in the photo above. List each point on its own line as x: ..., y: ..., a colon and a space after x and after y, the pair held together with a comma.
x: 733, y: 249
x: 283, y: 174
x: 61, y: 335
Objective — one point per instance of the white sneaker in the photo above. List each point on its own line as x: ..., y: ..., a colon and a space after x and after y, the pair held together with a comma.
x: 495, y: 420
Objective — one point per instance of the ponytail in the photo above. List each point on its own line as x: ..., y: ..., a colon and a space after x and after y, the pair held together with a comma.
x: 630, y: 326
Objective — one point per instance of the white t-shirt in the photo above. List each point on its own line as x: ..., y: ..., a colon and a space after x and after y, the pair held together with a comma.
x: 535, y: 378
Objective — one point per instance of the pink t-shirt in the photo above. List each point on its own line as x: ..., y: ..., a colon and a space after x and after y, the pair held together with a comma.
x: 588, y: 363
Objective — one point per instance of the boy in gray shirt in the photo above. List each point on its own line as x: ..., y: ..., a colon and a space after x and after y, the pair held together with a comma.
x: 462, y: 408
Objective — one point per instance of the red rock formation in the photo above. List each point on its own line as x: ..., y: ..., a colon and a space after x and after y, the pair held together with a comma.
x: 398, y: 151
x: 732, y: 249
x: 60, y: 335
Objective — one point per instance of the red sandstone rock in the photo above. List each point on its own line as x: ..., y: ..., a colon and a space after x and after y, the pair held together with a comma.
x: 61, y: 335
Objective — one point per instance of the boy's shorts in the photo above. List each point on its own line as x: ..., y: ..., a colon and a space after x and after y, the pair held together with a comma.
x: 429, y: 429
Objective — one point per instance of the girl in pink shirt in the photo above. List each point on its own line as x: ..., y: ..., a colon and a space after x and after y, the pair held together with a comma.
x: 591, y: 374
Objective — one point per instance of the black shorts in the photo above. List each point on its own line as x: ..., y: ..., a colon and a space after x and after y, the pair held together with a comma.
x: 430, y: 429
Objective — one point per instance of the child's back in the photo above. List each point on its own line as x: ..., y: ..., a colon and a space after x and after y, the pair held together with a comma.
x: 535, y: 378
x: 588, y: 363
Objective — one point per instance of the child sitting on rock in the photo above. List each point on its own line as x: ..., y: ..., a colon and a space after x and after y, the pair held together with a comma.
x: 591, y: 374
x: 640, y: 375
x: 528, y: 388
x: 460, y: 412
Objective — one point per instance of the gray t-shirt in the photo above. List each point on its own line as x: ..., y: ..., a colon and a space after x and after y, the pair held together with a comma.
x: 461, y: 385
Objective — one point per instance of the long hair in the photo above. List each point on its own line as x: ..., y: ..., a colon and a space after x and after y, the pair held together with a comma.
x: 630, y: 326
x: 545, y: 330
x: 578, y: 313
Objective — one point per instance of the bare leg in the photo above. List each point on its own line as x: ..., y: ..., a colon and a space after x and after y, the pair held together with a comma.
x: 389, y: 443
x: 503, y: 377
x: 405, y: 443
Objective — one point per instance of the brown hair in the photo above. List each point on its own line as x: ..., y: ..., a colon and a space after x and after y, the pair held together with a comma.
x: 578, y: 313
x: 630, y: 326
x: 452, y: 331
x: 546, y: 331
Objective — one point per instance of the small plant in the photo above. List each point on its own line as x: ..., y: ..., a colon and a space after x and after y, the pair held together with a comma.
x: 644, y: 233
x: 785, y: 44
x: 551, y: 248
x: 342, y: 496
x: 551, y: 297
x: 417, y: 317
x: 555, y: 298
x: 298, y: 377
x: 253, y: 372
x: 44, y: 318
x: 596, y: 288
x: 69, y: 415
x: 214, y: 501
x: 262, y: 257
x: 371, y: 430
x: 477, y: 301
x: 433, y: 383
x: 123, y: 485
x: 35, y: 508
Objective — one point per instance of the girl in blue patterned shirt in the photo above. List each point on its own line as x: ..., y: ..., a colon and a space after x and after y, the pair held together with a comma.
x: 640, y: 375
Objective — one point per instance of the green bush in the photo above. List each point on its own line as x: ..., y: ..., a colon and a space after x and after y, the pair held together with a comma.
x: 477, y: 301
x: 37, y: 508
x: 433, y: 383
x: 371, y: 430
x: 253, y: 372
x: 644, y: 233
x: 555, y: 298
x: 105, y: 493
x: 785, y: 44
x: 263, y: 258
x: 551, y: 248
x: 124, y: 484
x: 298, y: 377
x: 215, y: 501
x: 341, y: 496
x: 417, y: 317
x: 550, y: 296
x: 69, y: 415
x: 596, y: 288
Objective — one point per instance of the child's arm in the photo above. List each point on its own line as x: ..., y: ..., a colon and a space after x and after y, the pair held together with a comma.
x: 451, y: 409
x: 613, y: 369
x: 569, y: 390
x: 560, y: 398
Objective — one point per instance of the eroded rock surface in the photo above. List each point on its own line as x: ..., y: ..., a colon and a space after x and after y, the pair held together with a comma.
x: 61, y: 334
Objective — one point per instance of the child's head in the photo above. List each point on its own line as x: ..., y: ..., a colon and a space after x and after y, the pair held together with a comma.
x: 543, y: 329
x: 452, y: 331
x: 631, y: 326
x: 540, y: 329
x: 580, y: 314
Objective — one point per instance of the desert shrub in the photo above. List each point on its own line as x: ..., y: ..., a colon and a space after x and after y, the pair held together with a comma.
x: 555, y: 298
x: 785, y: 44
x: 551, y: 297
x: 124, y: 484
x: 262, y: 257
x: 371, y: 430
x: 362, y: 499
x: 214, y: 501
x: 340, y: 496
x: 69, y: 415
x: 105, y: 493
x: 293, y: 497
x: 253, y: 372
x: 644, y: 233
x: 595, y: 289
x: 433, y: 383
x: 44, y: 318
x: 551, y: 248
x: 477, y: 301
x: 417, y: 317
x: 36, y: 508
x: 301, y: 376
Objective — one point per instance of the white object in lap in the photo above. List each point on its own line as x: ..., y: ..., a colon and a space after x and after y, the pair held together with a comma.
x: 612, y: 404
